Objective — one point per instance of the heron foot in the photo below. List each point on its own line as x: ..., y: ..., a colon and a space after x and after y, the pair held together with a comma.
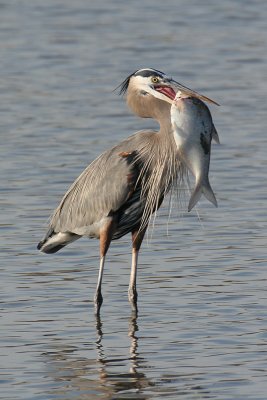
x: 132, y: 296
x: 98, y: 300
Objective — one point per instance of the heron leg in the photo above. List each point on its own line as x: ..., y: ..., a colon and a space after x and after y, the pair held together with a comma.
x: 98, y: 295
x: 137, y: 238
x: 105, y: 239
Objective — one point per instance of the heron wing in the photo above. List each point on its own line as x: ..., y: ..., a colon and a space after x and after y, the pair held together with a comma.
x: 102, y: 188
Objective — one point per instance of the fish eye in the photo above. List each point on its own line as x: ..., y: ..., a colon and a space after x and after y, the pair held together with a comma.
x: 155, y: 79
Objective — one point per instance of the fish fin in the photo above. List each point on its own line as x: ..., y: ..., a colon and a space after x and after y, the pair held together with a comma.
x: 208, y: 193
x: 214, y: 134
x: 195, y: 196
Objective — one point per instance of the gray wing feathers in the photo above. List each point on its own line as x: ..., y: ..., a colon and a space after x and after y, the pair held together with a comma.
x: 101, y: 188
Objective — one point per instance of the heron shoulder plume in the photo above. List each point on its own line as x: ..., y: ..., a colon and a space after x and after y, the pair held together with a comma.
x: 160, y: 172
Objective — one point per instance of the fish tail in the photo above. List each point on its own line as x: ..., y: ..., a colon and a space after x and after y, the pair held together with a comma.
x: 195, y: 196
x: 208, y: 193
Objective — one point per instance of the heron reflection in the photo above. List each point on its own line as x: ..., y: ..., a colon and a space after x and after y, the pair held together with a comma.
x: 128, y: 380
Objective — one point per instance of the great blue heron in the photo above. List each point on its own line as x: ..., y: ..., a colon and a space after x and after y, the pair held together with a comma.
x: 119, y: 191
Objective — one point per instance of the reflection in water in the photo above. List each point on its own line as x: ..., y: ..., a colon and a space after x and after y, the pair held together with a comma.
x: 118, y: 376
x: 76, y: 376
x: 99, y: 346
x: 133, y: 381
x: 133, y: 328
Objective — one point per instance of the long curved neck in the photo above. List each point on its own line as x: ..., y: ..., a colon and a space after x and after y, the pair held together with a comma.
x: 147, y: 106
x: 164, y: 121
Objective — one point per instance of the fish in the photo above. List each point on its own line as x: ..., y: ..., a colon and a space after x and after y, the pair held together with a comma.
x: 193, y: 130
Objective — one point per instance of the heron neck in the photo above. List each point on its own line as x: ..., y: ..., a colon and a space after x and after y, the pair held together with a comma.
x: 149, y: 107
x: 164, y: 120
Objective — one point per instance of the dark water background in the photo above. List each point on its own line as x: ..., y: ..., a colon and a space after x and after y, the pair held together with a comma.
x: 202, y: 330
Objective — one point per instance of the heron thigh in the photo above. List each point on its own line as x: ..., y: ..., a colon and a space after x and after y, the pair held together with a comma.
x: 106, y: 233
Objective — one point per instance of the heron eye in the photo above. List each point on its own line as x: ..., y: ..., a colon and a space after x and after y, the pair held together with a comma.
x: 155, y: 79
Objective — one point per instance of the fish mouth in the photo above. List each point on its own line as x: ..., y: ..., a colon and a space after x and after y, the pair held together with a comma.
x: 167, y: 91
x: 185, y: 98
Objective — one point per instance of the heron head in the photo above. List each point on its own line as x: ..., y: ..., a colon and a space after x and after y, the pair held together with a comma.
x: 149, y: 92
x: 150, y: 82
x: 147, y: 85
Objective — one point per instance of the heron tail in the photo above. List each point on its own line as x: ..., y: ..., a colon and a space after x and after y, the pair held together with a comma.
x: 53, y: 242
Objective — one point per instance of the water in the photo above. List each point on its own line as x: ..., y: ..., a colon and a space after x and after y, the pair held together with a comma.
x: 201, y: 332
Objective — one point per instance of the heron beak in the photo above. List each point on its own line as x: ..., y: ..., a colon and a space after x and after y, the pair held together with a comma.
x: 167, y: 90
x: 190, y: 92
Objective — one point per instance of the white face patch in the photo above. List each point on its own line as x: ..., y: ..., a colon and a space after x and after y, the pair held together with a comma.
x: 146, y: 84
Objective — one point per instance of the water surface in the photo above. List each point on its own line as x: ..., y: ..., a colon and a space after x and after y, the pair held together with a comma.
x: 201, y: 331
